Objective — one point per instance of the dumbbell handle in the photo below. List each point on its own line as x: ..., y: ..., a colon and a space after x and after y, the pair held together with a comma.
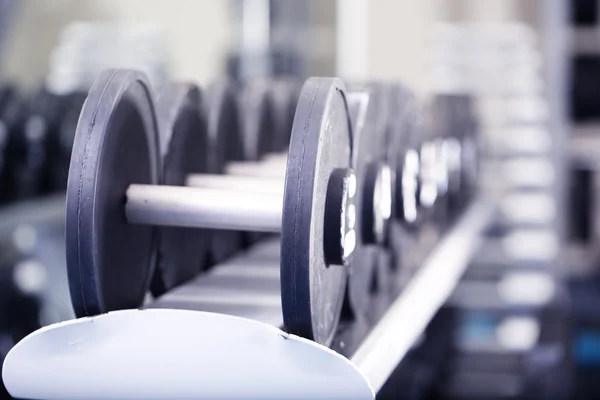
x: 254, y: 184
x: 272, y: 168
x: 191, y: 207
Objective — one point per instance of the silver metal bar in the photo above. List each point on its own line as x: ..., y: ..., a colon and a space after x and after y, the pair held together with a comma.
x: 406, y: 319
x: 181, y: 206
x: 267, y: 169
x: 242, y: 183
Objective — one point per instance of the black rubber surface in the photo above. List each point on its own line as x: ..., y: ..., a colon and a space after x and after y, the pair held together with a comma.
x: 72, y: 105
x: 183, y: 146
x: 12, y: 105
x: 312, y: 292
x: 402, y: 135
x: 284, y: 95
x: 223, y: 126
x: 366, y: 150
x: 222, y: 116
x: 257, y: 120
x: 110, y: 262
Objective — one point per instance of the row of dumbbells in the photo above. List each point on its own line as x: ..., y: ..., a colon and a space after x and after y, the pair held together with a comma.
x: 157, y: 187
x: 36, y: 133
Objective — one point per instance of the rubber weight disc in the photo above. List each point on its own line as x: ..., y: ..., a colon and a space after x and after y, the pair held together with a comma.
x: 223, y: 125
x: 66, y: 135
x: 183, y: 148
x: 312, y: 292
x: 257, y: 120
x: 284, y: 96
x: 367, y: 158
x: 110, y: 262
x: 222, y: 116
x: 258, y: 131
x: 405, y: 139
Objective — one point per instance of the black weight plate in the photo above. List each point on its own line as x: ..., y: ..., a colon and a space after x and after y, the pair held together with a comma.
x: 46, y: 108
x: 284, y: 95
x: 223, y: 125
x: 31, y: 143
x: 12, y: 116
x: 258, y: 130
x: 110, y: 262
x: 257, y: 123
x: 8, y: 95
x: 312, y: 293
x: 402, y: 136
x: 366, y: 149
x: 183, y: 148
x: 66, y: 134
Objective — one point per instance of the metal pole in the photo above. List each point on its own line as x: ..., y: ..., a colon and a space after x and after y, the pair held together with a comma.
x: 180, y: 206
x: 273, y: 185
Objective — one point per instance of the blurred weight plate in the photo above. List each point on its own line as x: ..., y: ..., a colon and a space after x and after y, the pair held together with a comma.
x: 183, y: 144
x: 110, y: 262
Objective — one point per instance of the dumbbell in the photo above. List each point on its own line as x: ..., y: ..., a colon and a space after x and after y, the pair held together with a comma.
x: 456, y: 125
x: 32, y: 144
x: 372, y: 187
x: 11, y: 104
x: 114, y: 204
x: 403, y: 136
x: 373, y: 199
x: 266, y: 112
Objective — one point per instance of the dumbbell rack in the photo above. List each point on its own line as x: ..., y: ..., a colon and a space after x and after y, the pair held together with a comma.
x: 406, y: 316
x: 390, y: 340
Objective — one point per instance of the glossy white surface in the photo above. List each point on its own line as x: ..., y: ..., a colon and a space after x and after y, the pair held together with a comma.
x: 176, y: 354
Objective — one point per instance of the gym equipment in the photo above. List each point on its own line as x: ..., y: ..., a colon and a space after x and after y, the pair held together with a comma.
x: 184, y: 148
x: 220, y: 108
x: 115, y: 156
x: 262, y: 119
x: 584, y: 13
x: 373, y: 198
x: 11, y: 104
x: 402, y: 138
x: 583, y: 90
x: 65, y: 129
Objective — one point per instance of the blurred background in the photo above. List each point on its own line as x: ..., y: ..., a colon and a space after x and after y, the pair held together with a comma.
x: 523, y: 323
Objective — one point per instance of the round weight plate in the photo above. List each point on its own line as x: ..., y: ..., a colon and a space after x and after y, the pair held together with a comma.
x: 257, y: 123
x: 257, y: 127
x: 30, y: 170
x: 66, y: 135
x: 46, y: 109
x: 11, y: 114
x: 110, y: 262
x: 223, y: 126
x: 183, y: 148
x: 284, y: 95
x: 312, y: 292
x: 8, y: 96
x: 367, y: 154
x: 402, y: 137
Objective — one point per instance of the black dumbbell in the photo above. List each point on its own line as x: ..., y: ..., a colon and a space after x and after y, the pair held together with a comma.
x: 403, y: 135
x: 263, y: 113
x: 585, y: 71
x: 11, y: 106
x: 31, y: 145
x: 114, y: 203
x: 63, y: 135
x: 221, y: 111
x: 373, y: 189
x: 373, y: 198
